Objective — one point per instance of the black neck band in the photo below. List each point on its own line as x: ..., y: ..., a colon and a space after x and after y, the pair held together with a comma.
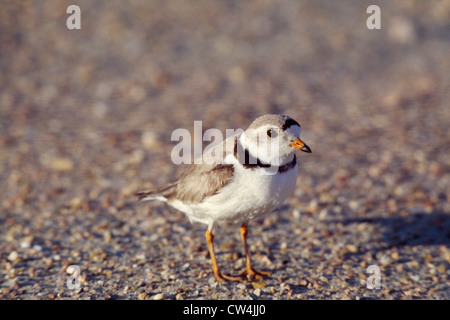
x: 251, y: 162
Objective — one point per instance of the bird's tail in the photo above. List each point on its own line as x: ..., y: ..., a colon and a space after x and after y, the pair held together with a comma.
x: 161, y: 194
x: 147, y: 195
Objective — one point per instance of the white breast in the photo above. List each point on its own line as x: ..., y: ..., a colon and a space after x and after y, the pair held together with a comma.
x: 249, y: 195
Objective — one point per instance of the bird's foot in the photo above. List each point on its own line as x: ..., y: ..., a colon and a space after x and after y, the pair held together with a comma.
x: 222, y: 277
x: 251, y: 274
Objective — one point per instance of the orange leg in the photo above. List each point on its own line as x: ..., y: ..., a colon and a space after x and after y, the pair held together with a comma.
x: 220, y: 277
x: 249, y: 271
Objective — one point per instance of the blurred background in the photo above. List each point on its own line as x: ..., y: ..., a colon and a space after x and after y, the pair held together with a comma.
x: 86, y: 115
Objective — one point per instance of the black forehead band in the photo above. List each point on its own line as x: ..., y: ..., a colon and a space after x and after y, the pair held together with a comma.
x: 288, y: 123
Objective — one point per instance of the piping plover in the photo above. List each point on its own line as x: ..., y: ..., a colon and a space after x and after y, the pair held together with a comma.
x: 256, y: 172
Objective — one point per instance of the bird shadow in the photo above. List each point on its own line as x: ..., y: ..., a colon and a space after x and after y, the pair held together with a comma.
x: 418, y: 229
x: 410, y: 230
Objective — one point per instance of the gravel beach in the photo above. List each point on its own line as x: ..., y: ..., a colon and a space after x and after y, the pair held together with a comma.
x: 86, y: 118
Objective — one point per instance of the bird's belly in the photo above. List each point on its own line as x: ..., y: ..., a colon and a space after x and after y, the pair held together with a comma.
x: 253, y: 195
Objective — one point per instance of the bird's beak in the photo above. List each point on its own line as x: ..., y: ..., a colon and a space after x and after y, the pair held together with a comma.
x: 300, y: 145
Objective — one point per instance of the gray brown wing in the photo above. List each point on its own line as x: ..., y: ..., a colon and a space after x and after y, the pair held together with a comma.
x: 198, y: 182
x: 202, y: 181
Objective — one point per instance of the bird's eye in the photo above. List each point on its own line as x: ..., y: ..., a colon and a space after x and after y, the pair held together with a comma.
x: 272, y: 133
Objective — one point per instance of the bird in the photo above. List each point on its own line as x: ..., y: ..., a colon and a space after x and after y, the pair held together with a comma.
x: 247, y: 176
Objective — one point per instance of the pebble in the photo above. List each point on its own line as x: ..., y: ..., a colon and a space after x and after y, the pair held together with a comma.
x: 13, y: 256
x: 149, y: 140
x: 158, y: 296
x: 144, y: 296
x: 180, y: 296
x: 259, y: 285
x: 26, y: 242
x: 354, y: 205
x: 61, y: 164
x: 395, y: 255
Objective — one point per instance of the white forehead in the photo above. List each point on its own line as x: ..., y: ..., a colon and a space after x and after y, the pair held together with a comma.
x: 293, y: 129
x: 274, y: 120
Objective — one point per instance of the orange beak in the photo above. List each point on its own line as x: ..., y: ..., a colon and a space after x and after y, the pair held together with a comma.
x: 300, y: 145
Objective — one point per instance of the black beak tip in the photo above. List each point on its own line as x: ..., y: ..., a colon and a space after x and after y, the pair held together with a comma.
x: 305, y: 148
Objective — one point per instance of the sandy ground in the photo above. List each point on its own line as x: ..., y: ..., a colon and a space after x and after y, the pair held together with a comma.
x: 86, y: 118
